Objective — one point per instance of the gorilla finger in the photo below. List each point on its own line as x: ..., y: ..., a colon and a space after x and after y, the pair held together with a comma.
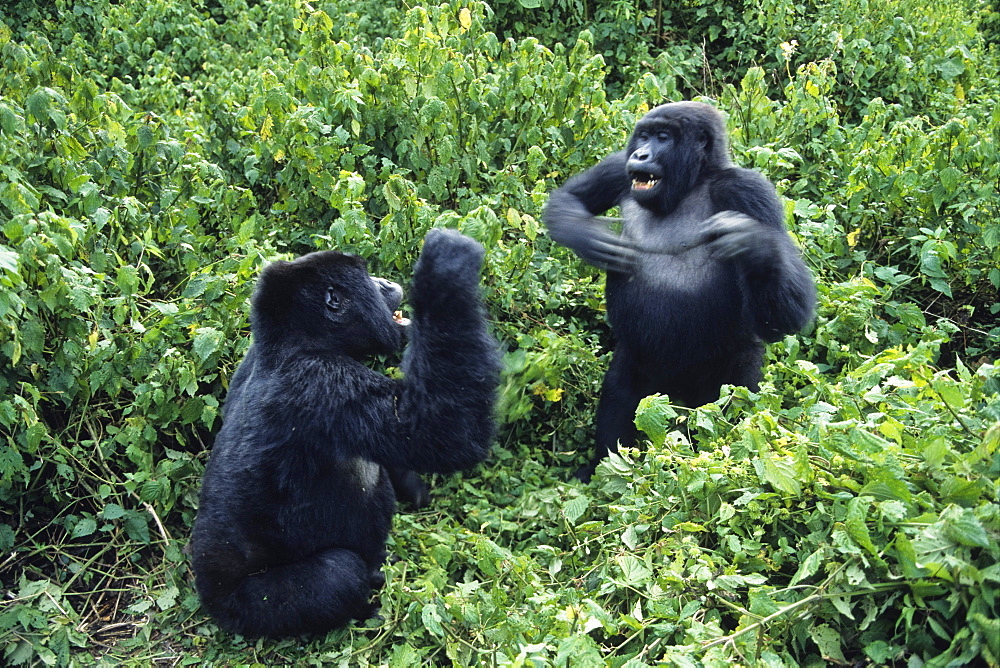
x: 730, y: 218
x: 617, y: 253
x: 719, y: 226
x: 609, y: 259
x: 732, y: 246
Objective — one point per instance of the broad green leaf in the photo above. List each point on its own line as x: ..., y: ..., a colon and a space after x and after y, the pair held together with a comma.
x: 829, y: 641
x: 857, y: 527
x: 809, y: 566
x: 962, y: 526
x: 655, y: 416
x: 778, y: 472
x: 112, y: 511
x: 84, y: 528
x: 431, y: 619
x: 635, y: 571
x: 206, y: 342
x: 575, y: 507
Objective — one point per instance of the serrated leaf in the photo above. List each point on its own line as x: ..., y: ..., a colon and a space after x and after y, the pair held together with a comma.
x: 145, y: 136
x: 574, y: 508
x: 962, y: 526
x: 828, y: 641
x: 630, y: 537
x: 84, y: 527
x: 432, y: 619
x: 635, y: 571
x: 809, y: 567
x: 168, y: 598
x: 112, y: 511
x: 655, y: 416
x: 857, y: 528
x: 206, y: 342
x: 9, y: 261
x: 778, y: 472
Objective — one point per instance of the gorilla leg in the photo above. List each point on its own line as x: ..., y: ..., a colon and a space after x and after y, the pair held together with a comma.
x: 308, y: 596
x: 620, y: 396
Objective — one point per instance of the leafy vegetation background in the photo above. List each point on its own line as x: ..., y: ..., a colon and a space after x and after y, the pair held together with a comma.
x: 154, y: 154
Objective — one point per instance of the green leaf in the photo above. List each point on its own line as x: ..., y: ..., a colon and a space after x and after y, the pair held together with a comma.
x: 206, y: 342
x: 145, y: 136
x: 9, y: 261
x: 84, y: 527
x: 778, y: 472
x: 112, y: 511
x: 655, y: 416
x: 635, y: 571
x: 431, y: 619
x: 828, y: 641
x: 128, y: 280
x: 37, y: 105
x: 809, y: 566
x: 855, y: 522
x: 575, y: 507
x: 963, y: 527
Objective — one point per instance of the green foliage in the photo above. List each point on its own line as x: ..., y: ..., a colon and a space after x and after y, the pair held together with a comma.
x: 154, y: 155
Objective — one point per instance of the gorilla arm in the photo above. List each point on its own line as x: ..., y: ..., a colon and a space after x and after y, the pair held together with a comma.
x: 451, y: 366
x: 750, y: 231
x: 571, y: 210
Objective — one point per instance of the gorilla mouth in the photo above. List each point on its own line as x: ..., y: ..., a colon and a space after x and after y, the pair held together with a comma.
x: 400, y: 320
x: 644, y: 181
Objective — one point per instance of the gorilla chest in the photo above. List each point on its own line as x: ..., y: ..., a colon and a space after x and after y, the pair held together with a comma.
x: 677, y: 290
x: 684, y: 286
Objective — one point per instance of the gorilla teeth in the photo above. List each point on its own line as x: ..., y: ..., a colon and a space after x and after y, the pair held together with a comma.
x: 400, y: 320
x: 644, y: 185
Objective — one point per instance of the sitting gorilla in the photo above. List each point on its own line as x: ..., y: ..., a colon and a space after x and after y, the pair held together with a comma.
x: 298, y: 495
x: 702, y: 273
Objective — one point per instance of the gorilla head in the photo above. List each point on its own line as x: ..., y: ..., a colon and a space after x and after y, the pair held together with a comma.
x: 328, y: 296
x: 671, y: 150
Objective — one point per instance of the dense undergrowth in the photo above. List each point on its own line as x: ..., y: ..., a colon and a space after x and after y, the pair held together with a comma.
x: 154, y: 154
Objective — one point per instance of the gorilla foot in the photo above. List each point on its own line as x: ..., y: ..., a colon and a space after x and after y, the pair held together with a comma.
x: 410, y: 488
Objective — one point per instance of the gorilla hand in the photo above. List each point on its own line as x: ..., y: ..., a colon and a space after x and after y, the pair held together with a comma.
x: 450, y: 254
x: 591, y: 238
x: 731, y: 235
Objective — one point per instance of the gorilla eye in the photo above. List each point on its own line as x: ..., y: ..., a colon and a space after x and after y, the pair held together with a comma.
x: 332, y: 299
x: 663, y: 135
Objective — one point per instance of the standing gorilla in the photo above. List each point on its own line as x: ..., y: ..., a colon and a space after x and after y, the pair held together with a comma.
x: 298, y: 494
x: 703, y: 272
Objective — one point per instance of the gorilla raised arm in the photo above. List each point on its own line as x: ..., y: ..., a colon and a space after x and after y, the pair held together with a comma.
x: 701, y: 275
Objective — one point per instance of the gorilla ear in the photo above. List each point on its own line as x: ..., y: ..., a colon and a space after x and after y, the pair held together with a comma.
x: 332, y: 299
x: 705, y: 138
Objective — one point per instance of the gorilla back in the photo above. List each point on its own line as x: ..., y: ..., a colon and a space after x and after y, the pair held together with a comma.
x: 701, y: 275
x: 299, y: 492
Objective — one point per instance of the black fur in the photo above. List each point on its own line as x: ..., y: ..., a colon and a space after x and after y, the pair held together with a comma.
x: 702, y: 274
x: 298, y: 497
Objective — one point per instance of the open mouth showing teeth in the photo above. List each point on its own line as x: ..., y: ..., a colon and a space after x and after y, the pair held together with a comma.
x: 644, y: 182
x: 400, y: 320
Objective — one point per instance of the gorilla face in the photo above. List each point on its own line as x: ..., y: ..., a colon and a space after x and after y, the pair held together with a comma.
x: 664, y: 159
x: 652, y: 145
